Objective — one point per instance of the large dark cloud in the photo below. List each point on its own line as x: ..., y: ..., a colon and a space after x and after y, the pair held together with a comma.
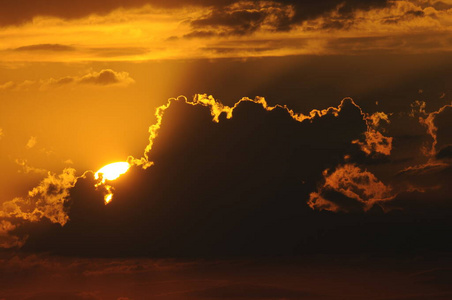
x: 247, y: 17
x: 237, y: 187
x: 17, y: 12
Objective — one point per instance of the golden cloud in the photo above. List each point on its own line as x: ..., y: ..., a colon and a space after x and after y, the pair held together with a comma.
x: 234, y: 30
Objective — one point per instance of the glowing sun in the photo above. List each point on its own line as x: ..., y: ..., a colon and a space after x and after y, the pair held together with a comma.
x: 112, y: 171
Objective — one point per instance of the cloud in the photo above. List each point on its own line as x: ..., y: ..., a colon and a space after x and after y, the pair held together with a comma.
x: 18, y: 13
x: 16, y: 86
x: 31, y: 142
x: 105, y: 77
x: 47, y: 200
x: 349, y: 188
x: 428, y: 120
x: 29, y: 169
x: 189, y: 142
x: 7, y: 240
x: 45, y: 47
x: 7, y: 85
x: 437, y: 160
x: 375, y: 141
x: 217, y: 29
x: 118, y: 51
x: 245, y: 179
x: 244, y: 18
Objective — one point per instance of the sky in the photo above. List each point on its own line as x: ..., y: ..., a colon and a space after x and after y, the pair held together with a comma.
x: 252, y: 149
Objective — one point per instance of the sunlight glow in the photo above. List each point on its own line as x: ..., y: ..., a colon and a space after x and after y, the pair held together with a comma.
x: 112, y: 171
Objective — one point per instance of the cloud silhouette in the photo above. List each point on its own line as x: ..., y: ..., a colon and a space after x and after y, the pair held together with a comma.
x: 245, y: 179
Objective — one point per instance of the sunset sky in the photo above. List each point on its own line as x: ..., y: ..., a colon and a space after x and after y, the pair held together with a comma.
x: 263, y: 149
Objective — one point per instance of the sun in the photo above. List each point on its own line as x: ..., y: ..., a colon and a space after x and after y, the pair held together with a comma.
x: 112, y: 171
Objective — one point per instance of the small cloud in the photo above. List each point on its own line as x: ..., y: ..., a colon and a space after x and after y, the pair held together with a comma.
x: 64, y: 80
x: 7, y: 240
x: 32, y: 142
x: 27, y: 168
x: 349, y: 187
x: 106, y: 77
x: 68, y: 162
x: 103, y: 78
x: 7, y: 85
x: 1, y: 133
x: 118, y: 51
x: 375, y: 142
x: 16, y: 86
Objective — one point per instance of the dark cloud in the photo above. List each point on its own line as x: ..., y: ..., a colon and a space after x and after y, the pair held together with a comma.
x: 17, y: 12
x: 240, y: 187
x: 247, y: 17
x: 214, y: 188
x: 46, y: 47
x: 413, y: 43
x: 104, y: 77
x: 406, y: 16
x: 118, y: 51
x: 64, y: 80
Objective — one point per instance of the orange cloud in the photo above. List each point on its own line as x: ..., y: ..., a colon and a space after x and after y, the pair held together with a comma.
x: 31, y: 142
x: 231, y: 29
x: 354, y: 183
x: 46, y: 200
x: 7, y: 240
x: 375, y: 141
x: 428, y: 120
x: 29, y: 169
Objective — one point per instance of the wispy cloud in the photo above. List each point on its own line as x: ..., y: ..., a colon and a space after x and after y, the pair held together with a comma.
x: 106, y: 77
